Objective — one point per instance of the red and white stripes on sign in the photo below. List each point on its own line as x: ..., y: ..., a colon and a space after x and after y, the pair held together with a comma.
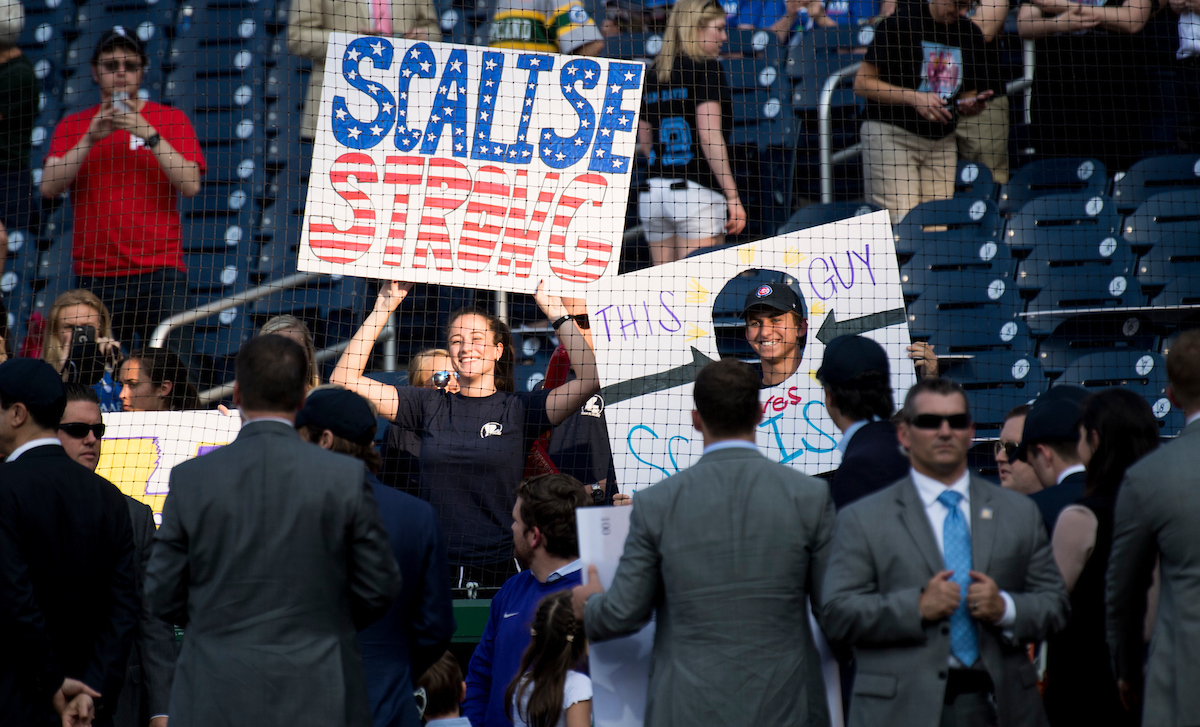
x: 447, y: 188
x: 406, y: 173
x: 345, y: 246
x: 485, y: 220
x: 593, y: 187
x: 521, y: 235
x: 500, y: 222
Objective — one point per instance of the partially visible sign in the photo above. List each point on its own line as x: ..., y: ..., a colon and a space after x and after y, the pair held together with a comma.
x: 655, y: 329
x: 140, y: 448
x: 470, y: 166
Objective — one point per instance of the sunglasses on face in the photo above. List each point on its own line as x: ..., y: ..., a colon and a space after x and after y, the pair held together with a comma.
x: 115, y: 66
x: 79, y: 430
x: 934, y: 421
x: 1008, y: 448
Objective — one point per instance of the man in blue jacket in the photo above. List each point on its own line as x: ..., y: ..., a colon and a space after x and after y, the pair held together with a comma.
x: 546, y: 545
x: 414, y: 633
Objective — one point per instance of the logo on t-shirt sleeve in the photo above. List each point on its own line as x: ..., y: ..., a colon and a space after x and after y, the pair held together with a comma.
x: 593, y: 407
x: 941, y: 69
x: 491, y: 429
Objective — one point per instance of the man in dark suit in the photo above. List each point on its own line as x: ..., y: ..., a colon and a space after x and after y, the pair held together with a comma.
x: 725, y: 553
x: 939, y: 581
x: 1158, y: 517
x: 414, y: 633
x: 857, y: 379
x: 147, y: 688
x: 1049, y: 444
x: 68, y: 600
x: 271, y: 555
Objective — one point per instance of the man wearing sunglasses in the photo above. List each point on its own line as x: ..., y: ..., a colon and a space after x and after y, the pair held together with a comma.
x: 125, y: 162
x: 151, y: 666
x: 1015, y: 475
x: 938, y: 582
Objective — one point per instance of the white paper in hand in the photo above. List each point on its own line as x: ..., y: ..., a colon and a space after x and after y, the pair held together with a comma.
x: 620, y: 668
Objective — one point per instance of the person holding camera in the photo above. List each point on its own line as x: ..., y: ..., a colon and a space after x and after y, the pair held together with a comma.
x: 125, y: 162
x: 79, y: 344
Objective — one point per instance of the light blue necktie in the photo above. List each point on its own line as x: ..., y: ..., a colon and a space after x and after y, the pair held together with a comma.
x: 956, y: 546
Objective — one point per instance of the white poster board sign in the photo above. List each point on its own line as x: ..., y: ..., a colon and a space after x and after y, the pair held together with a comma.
x: 655, y: 329
x: 140, y: 448
x: 470, y: 166
x: 620, y: 668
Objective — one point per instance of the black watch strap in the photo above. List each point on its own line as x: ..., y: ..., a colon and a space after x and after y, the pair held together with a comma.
x: 152, y: 141
x: 558, y: 323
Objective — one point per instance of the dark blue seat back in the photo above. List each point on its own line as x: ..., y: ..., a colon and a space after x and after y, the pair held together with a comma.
x: 1052, y: 176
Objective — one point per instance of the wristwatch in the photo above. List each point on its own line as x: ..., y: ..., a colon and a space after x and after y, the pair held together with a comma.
x: 152, y: 141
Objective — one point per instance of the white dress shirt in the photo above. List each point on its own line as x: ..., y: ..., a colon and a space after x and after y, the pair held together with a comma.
x: 730, y: 444
x: 928, y: 489
x: 569, y: 568
x: 43, y: 442
x: 1068, y: 472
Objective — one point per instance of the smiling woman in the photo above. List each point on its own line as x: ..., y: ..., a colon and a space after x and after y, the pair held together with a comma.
x: 473, y: 441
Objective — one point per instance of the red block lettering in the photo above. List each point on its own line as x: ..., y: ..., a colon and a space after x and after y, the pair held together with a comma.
x: 598, y: 252
x: 485, y: 219
x: 345, y: 246
x: 447, y: 188
x: 522, y: 233
x: 406, y: 173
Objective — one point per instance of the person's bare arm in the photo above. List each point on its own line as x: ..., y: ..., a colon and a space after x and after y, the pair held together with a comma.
x: 566, y: 399
x: 989, y: 18
x: 869, y: 85
x: 1128, y: 18
x: 1034, y: 22
x: 58, y: 172
x: 580, y: 714
x: 1073, y: 542
x: 783, y: 26
x: 712, y: 142
x: 184, y: 175
x: 350, y: 367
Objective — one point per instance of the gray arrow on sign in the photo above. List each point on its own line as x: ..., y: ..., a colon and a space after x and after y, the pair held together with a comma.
x: 660, y: 381
x: 831, y: 328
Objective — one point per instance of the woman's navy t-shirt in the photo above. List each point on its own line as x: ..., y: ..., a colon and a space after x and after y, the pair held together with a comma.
x: 670, y: 110
x: 472, y: 457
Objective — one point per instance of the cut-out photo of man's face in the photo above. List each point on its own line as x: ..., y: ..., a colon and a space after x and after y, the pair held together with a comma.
x: 774, y: 322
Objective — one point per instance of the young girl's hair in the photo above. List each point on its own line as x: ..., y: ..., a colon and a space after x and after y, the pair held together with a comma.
x: 556, y: 646
x: 417, y: 363
x: 442, y: 683
x: 683, y: 29
x: 504, y: 374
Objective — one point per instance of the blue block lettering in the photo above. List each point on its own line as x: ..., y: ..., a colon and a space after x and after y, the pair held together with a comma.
x: 349, y: 131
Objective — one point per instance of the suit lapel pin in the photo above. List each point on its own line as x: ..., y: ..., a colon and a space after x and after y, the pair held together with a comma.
x: 986, y: 513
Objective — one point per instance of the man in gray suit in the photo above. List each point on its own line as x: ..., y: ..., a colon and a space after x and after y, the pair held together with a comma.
x: 726, y: 552
x: 939, y: 581
x: 272, y: 555
x: 1158, y: 516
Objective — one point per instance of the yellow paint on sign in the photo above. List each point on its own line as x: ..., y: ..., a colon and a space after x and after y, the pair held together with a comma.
x: 129, y: 464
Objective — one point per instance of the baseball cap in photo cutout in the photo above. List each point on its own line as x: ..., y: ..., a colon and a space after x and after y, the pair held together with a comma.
x: 774, y: 296
x: 342, y: 412
x: 33, y: 382
x: 119, y: 36
x: 1054, y: 416
x: 848, y: 356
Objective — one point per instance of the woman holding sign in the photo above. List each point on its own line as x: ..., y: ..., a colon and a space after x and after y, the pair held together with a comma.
x: 691, y: 182
x: 473, y: 442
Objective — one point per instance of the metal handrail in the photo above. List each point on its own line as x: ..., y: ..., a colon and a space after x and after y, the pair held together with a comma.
x: 159, y: 337
x: 825, y: 128
x: 217, y: 393
x: 825, y: 121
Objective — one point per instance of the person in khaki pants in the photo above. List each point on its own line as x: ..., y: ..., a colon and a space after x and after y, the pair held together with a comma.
x: 925, y: 69
x: 311, y: 21
x: 984, y: 138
